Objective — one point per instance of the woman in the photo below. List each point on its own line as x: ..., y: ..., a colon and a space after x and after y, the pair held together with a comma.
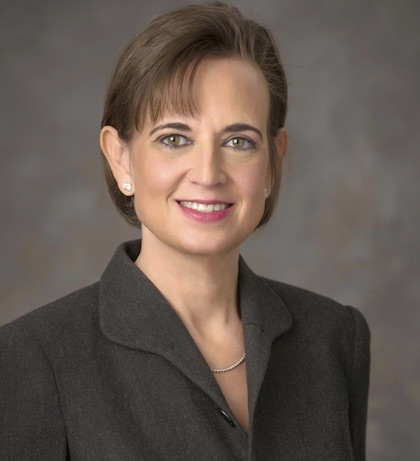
x: 180, y: 352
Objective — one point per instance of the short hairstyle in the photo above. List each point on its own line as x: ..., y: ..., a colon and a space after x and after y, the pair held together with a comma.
x: 156, y: 69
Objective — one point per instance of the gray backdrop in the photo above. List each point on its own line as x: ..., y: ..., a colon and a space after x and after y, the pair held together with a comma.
x: 348, y: 221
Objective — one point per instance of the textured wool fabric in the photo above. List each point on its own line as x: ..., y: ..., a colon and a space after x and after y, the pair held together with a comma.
x: 110, y: 373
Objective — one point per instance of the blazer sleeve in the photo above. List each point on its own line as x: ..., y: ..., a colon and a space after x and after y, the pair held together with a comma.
x: 31, y: 421
x: 359, y: 384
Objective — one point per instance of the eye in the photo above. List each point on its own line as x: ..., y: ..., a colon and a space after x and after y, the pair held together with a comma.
x: 174, y: 140
x: 240, y: 142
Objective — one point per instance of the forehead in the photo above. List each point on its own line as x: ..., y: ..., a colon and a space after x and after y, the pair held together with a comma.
x: 231, y: 85
x: 228, y: 87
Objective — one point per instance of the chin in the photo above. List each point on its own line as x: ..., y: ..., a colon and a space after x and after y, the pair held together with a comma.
x: 208, y: 246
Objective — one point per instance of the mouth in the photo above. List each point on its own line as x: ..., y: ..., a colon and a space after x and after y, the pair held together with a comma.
x: 205, y: 207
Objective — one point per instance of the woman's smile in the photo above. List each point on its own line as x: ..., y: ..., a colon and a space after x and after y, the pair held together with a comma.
x: 205, y: 207
x: 206, y: 212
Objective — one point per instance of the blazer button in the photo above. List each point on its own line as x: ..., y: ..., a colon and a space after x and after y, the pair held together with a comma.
x: 228, y: 419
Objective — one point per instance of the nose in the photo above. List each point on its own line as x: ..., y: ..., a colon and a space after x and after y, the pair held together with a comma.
x: 207, y: 167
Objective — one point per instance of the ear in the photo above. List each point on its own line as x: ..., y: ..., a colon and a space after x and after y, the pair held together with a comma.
x: 281, y: 142
x: 117, y: 153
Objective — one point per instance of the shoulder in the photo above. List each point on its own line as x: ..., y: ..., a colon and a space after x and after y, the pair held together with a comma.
x: 76, y: 314
x: 332, y: 334
x: 319, y: 313
x: 54, y: 321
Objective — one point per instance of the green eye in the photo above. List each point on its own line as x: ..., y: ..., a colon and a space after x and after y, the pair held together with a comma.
x: 174, y: 140
x: 239, y: 142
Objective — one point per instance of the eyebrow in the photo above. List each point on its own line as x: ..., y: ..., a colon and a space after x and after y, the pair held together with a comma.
x: 242, y: 127
x: 174, y: 126
x: 229, y: 129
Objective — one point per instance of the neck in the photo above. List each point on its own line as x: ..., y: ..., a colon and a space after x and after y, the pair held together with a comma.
x: 202, y: 289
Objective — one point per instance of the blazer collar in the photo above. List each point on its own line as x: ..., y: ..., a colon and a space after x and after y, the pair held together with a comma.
x: 134, y: 314
x: 265, y: 317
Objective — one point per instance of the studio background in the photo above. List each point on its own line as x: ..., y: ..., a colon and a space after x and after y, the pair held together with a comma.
x: 348, y: 220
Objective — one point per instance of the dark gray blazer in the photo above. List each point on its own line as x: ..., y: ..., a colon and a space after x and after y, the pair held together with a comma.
x: 110, y: 373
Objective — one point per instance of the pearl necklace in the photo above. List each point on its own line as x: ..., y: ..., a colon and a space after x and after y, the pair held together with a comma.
x: 231, y: 367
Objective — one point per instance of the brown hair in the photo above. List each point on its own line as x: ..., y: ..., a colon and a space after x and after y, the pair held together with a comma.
x: 156, y: 69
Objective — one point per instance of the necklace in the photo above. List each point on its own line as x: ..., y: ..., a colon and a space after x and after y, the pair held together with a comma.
x: 231, y: 367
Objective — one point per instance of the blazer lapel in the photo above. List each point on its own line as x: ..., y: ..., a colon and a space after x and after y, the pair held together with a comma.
x: 265, y: 317
x: 134, y: 314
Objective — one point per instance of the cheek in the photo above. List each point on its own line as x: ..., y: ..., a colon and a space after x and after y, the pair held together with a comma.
x: 154, y: 176
x: 253, y: 181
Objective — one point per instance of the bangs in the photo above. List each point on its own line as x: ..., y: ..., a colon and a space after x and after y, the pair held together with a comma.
x: 171, y: 92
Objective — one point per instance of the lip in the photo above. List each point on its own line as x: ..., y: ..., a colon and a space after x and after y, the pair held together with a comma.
x: 204, y: 202
x: 212, y: 217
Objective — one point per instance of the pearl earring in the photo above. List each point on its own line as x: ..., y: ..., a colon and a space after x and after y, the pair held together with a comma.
x: 266, y: 193
x: 127, y: 186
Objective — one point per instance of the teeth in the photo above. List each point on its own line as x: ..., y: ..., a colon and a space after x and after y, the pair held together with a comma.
x: 203, y: 208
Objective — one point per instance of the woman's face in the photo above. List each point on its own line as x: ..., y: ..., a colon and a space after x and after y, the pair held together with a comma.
x: 199, y: 181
